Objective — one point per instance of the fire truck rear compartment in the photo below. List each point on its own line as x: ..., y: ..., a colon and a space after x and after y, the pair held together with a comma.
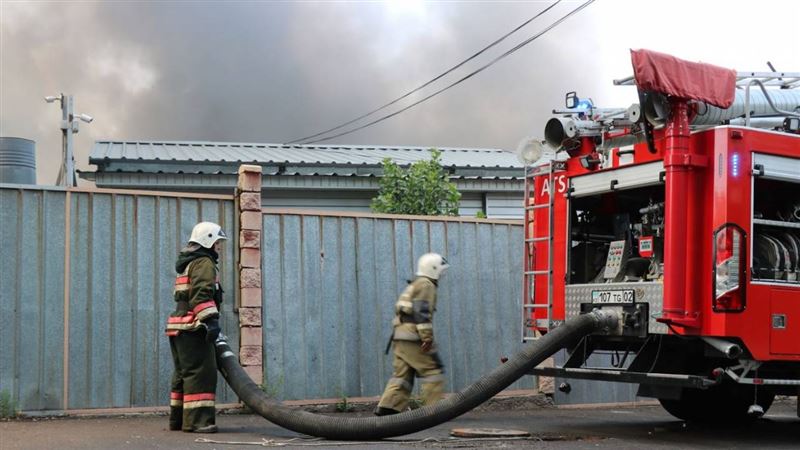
x: 615, y: 256
x: 617, y: 236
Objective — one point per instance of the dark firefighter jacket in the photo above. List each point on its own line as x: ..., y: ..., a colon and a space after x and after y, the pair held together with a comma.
x: 197, y: 293
x: 413, y: 320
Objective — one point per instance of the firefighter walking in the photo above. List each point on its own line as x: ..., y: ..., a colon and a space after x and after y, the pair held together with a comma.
x: 412, y: 338
x: 192, y: 330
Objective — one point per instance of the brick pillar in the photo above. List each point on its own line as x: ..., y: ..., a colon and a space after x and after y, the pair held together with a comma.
x: 547, y: 385
x: 250, y: 331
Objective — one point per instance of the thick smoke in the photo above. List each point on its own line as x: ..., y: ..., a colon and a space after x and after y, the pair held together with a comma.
x: 270, y: 72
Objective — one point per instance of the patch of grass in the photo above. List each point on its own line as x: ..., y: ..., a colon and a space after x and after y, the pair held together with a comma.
x: 344, y: 405
x: 415, y: 403
x: 8, y: 407
x: 272, y: 389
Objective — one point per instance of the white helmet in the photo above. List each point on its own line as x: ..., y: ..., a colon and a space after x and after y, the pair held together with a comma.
x: 431, y: 265
x: 206, y: 234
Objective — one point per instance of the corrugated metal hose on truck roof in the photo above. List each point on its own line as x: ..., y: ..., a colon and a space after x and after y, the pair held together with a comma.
x: 369, y: 428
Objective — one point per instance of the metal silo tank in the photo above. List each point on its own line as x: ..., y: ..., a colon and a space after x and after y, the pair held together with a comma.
x: 17, y: 160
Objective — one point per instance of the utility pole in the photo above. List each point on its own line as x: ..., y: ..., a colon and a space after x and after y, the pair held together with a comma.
x: 69, y: 127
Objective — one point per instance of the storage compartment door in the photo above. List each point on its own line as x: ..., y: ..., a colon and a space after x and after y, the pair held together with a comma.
x: 624, y: 178
x: 777, y: 167
x: 784, y: 337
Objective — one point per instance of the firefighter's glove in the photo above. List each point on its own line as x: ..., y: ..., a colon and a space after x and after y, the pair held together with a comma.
x: 212, y: 329
x: 426, y: 346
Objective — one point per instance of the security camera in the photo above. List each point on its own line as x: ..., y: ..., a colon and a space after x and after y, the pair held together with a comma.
x: 52, y: 98
x: 85, y: 117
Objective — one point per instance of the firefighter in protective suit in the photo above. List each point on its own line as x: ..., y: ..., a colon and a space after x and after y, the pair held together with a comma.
x: 412, y: 338
x: 192, y: 330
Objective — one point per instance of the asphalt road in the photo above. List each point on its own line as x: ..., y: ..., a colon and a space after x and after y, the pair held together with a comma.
x: 551, y: 428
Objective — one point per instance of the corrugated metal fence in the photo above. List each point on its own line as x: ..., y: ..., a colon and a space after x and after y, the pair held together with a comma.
x: 330, y: 282
x: 85, y: 290
x: 87, y: 279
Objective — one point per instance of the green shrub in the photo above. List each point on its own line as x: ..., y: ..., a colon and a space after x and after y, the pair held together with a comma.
x: 422, y: 189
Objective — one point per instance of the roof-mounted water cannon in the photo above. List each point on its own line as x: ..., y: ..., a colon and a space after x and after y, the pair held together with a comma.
x: 565, y: 133
x: 582, y: 124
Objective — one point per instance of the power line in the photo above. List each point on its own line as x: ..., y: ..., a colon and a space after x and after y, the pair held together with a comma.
x: 429, y: 82
x: 470, y: 75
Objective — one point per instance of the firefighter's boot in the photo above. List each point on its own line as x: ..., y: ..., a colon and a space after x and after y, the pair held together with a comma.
x: 385, y: 411
x: 175, y: 417
x: 206, y: 429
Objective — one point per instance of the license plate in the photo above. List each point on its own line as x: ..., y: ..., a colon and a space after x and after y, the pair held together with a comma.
x: 613, y: 296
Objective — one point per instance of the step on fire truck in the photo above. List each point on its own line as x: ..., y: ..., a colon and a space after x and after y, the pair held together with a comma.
x: 681, y: 212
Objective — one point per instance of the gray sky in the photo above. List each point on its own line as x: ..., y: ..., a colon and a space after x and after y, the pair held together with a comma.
x: 273, y: 71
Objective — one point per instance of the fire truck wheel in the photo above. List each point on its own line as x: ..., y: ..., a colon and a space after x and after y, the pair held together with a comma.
x: 726, y: 403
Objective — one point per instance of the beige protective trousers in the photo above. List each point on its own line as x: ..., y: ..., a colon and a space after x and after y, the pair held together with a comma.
x: 410, y: 361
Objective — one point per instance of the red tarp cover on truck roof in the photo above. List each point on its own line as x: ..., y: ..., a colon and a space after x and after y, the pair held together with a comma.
x: 667, y: 74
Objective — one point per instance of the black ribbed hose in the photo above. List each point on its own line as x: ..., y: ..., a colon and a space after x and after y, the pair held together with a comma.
x: 369, y: 428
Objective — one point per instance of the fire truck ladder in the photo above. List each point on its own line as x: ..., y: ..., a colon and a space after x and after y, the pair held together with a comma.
x: 529, y: 305
x: 784, y: 80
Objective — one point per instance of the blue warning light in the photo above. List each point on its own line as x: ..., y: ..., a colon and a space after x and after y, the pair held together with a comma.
x: 735, y: 165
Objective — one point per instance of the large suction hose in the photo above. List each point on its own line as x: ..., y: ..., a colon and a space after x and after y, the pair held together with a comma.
x: 368, y: 428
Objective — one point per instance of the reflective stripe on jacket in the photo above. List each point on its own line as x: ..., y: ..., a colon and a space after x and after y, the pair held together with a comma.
x: 413, y: 320
x: 196, y: 293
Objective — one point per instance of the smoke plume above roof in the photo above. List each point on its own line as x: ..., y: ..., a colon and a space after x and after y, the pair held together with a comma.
x: 271, y: 72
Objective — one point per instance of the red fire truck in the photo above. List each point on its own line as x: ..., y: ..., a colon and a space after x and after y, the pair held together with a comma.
x: 682, y: 212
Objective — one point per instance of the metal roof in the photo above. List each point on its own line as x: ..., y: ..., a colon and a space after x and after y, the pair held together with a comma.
x: 223, y: 183
x: 226, y: 153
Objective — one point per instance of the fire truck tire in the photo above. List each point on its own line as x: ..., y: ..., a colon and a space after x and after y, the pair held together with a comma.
x: 367, y: 428
x: 727, y: 403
